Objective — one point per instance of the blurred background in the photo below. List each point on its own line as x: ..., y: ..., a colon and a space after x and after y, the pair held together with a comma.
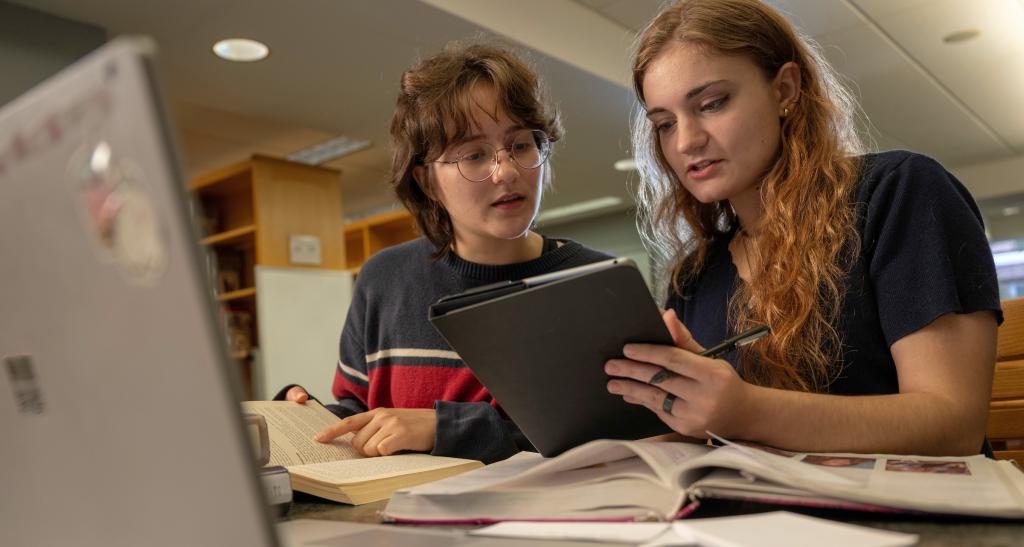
x: 942, y: 77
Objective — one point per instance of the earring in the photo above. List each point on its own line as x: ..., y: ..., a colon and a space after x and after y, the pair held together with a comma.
x: 785, y: 111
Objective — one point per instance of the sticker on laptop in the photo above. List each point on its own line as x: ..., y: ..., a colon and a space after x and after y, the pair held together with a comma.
x: 119, y: 212
x: 22, y: 375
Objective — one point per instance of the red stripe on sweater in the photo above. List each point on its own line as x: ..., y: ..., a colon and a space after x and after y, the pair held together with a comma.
x: 399, y: 386
x: 344, y: 389
x: 404, y: 386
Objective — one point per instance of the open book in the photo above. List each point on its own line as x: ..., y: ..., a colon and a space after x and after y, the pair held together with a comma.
x: 638, y: 480
x: 336, y: 471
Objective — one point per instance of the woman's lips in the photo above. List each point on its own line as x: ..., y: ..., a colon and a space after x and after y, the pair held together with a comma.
x: 509, y: 202
x: 703, y: 170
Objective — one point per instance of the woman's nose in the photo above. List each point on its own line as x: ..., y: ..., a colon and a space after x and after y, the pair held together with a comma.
x: 506, y: 169
x: 690, y: 137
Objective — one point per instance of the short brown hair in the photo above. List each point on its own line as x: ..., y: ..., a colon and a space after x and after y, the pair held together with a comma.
x: 433, y: 109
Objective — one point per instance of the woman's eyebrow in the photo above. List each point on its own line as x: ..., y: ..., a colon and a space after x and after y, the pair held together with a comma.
x: 689, y: 95
x: 700, y: 88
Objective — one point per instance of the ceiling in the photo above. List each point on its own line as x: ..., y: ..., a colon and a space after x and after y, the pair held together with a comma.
x: 335, y: 67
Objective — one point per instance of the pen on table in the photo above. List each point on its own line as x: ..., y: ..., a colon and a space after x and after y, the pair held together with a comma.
x: 724, y: 347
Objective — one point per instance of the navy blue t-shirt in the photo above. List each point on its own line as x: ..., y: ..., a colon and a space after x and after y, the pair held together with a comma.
x: 923, y: 255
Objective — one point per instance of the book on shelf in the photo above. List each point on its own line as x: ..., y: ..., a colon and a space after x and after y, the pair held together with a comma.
x: 336, y: 470
x: 644, y: 480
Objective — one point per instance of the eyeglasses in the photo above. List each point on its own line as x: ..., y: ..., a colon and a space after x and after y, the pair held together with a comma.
x: 478, y: 160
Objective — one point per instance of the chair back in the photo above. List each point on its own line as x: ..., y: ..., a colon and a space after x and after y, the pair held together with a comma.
x: 1006, y: 410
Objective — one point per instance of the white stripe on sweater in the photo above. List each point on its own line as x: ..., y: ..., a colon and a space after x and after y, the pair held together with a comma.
x: 412, y: 352
x: 349, y: 371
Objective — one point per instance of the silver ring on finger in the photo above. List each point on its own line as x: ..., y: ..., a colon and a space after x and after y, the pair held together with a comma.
x: 666, y: 405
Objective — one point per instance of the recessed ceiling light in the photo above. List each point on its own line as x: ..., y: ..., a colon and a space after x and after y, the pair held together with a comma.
x: 961, y: 36
x: 241, y: 50
x: 1010, y: 211
x: 628, y: 164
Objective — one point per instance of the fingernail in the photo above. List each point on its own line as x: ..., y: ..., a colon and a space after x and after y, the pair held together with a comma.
x: 613, y: 388
x: 610, y: 368
x: 320, y: 437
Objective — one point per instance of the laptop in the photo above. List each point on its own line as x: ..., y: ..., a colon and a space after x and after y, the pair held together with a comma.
x: 118, y: 410
x: 539, y: 346
x: 119, y: 421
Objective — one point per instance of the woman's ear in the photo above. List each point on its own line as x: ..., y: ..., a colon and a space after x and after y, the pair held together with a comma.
x: 787, y: 87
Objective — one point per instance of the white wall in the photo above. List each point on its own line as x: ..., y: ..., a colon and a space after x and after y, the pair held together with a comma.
x: 992, y: 179
x: 614, y: 233
x: 35, y: 45
x: 300, y: 315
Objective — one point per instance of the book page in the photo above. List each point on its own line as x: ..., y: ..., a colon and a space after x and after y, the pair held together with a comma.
x: 660, y: 457
x: 595, y: 462
x: 960, y: 485
x: 782, y: 529
x: 665, y: 457
x: 369, y: 469
x: 292, y: 427
x: 480, y: 479
x: 936, y: 483
x: 623, y: 498
x: 633, y: 533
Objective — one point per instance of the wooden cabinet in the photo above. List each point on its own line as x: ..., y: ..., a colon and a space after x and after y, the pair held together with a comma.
x: 366, y: 236
x: 250, y: 211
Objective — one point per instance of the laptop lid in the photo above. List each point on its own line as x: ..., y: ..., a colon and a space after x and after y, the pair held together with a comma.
x: 118, y: 408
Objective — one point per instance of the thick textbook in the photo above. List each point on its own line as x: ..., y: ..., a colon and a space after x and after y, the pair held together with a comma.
x: 539, y: 346
x: 641, y: 480
x: 336, y: 471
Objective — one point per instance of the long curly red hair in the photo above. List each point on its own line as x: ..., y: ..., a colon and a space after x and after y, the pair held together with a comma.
x: 806, y: 234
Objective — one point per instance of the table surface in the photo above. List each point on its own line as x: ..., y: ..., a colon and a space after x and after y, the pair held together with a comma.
x: 934, y: 531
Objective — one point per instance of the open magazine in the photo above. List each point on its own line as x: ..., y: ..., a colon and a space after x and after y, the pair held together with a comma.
x: 638, y: 480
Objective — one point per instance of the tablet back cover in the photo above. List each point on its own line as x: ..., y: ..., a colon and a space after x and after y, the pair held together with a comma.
x: 541, y: 353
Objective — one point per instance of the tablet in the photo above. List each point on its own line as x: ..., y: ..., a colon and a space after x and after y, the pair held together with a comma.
x: 539, y: 346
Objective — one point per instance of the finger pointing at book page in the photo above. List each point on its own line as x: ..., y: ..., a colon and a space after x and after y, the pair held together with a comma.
x: 346, y: 425
x: 385, y: 431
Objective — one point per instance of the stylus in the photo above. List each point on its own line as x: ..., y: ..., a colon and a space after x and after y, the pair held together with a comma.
x: 725, y: 346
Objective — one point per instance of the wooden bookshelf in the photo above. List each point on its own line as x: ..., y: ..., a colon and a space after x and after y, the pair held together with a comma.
x: 239, y: 294
x: 244, y: 233
x: 367, y: 236
x: 248, y: 212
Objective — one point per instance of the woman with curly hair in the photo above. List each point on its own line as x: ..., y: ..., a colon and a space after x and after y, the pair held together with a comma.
x: 872, y: 271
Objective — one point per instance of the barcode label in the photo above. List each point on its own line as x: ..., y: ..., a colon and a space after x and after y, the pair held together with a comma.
x: 22, y: 373
x: 19, y: 368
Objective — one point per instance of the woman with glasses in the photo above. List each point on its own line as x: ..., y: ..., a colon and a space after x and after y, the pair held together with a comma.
x: 872, y: 271
x: 471, y: 134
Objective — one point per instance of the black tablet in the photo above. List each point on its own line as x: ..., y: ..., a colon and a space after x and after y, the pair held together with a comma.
x: 539, y: 345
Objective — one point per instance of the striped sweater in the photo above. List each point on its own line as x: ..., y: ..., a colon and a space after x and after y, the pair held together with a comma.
x: 391, y: 356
